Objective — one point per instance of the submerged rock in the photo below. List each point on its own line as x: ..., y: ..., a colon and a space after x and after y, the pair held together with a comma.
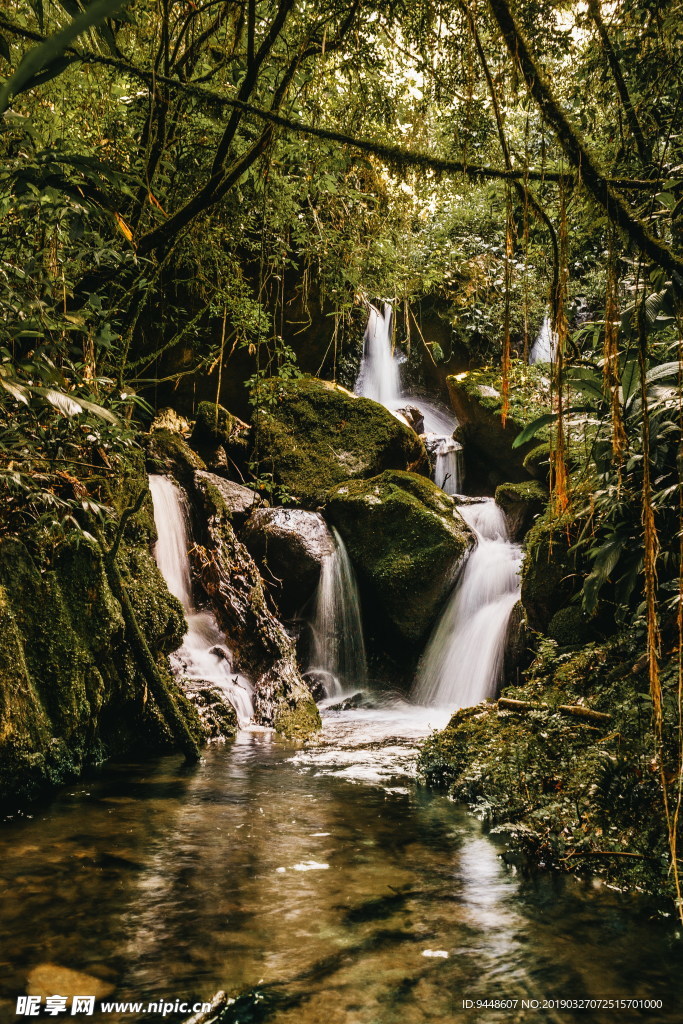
x: 406, y: 541
x: 289, y: 546
x: 262, y: 649
x: 522, y: 503
x: 313, y: 435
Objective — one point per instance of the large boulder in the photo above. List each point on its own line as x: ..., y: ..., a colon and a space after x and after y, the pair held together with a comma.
x: 313, y: 434
x: 549, y: 576
x: 522, y: 504
x: 221, y: 439
x: 477, y: 399
x: 289, y: 545
x: 407, y: 542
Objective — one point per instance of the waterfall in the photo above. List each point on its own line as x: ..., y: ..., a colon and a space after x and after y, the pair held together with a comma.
x: 448, y: 468
x: 379, y: 377
x: 338, y: 651
x: 544, y: 348
x: 203, y: 656
x: 463, y: 660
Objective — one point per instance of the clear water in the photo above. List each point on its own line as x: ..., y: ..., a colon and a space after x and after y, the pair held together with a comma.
x: 323, y: 876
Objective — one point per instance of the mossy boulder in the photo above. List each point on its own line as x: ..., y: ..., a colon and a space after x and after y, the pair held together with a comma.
x: 313, y: 435
x: 570, y: 627
x: 477, y: 398
x: 170, y: 455
x: 219, y: 437
x: 522, y: 503
x: 406, y: 541
x: 537, y: 462
x: 549, y: 572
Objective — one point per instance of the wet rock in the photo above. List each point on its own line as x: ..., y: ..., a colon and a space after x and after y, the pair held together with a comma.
x: 217, y: 715
x: 517, y: 655
x: 50, y: 979
x: 261, y: 648
x: 355, y: 702
x: 406, y: 541
x: 314, y: 434
x: 169, y: 455
x: 413, y: 417
x: 289, y: 546
x: 321, y: 684
x: 522, y: 503
x: 239, y: 500
x: 477, y: 400
x: 549, y: 571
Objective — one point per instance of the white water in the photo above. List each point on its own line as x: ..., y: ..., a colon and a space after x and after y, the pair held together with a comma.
x: 379, y: 378
x: 203, y: 656
x: 544, y: 348
x: 448, y: 469
x: 463, y: 660
x: 338, y: 645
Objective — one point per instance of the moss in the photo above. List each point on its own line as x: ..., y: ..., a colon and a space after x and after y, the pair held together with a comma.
x: 159, y: 613
x: 522, y: 503
x: 537, y: 462
x: 569, y: 627
x: 561, y: 788
x: 169, y: 455
x: 549, y: 576
x: 313, y: 435
x: 297, y: 720
x: 406, y: 541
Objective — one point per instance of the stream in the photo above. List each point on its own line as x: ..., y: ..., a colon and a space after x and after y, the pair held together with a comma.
x: 321, y: 874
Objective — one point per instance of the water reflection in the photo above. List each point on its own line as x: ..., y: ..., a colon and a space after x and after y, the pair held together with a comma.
x: 326, y: 877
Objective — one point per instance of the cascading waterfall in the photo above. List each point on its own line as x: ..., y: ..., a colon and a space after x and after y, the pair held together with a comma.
x: 544, y: 348
x: 463, y: 660
x: 379, y: 378
x: 379, y: 375
x: 203, y: 656
x: 338, y: 650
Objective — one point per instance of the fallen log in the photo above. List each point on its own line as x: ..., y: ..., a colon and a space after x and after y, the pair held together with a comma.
x: 574, y: 710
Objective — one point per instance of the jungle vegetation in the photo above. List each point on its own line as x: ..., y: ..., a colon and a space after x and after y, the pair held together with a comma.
x: 195, y: 196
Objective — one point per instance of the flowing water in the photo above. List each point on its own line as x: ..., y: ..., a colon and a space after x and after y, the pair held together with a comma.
x: 320, y: 875
x: 544, y: 347
x: 204, y: 656
x: 463, y: 660
x: 379, y: 378
x: 338, y: 647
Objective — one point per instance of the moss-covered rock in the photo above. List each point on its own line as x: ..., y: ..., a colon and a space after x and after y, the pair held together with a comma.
x: 522, y: 503
x: 570, y: 627
x: 219, y: 437
x: 313, y: 435
x: 567, y: 792
x: 170, y: 455
x: 261, y: 648
x: 549, y: 576
x: 73, y: 688
x: 537, y: 462
x: 478, y: 401
x: 406, y: 541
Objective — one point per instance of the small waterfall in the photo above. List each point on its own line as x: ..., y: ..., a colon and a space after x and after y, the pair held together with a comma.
x: 449, y: 465
x: 204, y: 656
x: 464, y: 657
x: 544, y: 348
x: 338, y: 647
x: 379, y: 376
